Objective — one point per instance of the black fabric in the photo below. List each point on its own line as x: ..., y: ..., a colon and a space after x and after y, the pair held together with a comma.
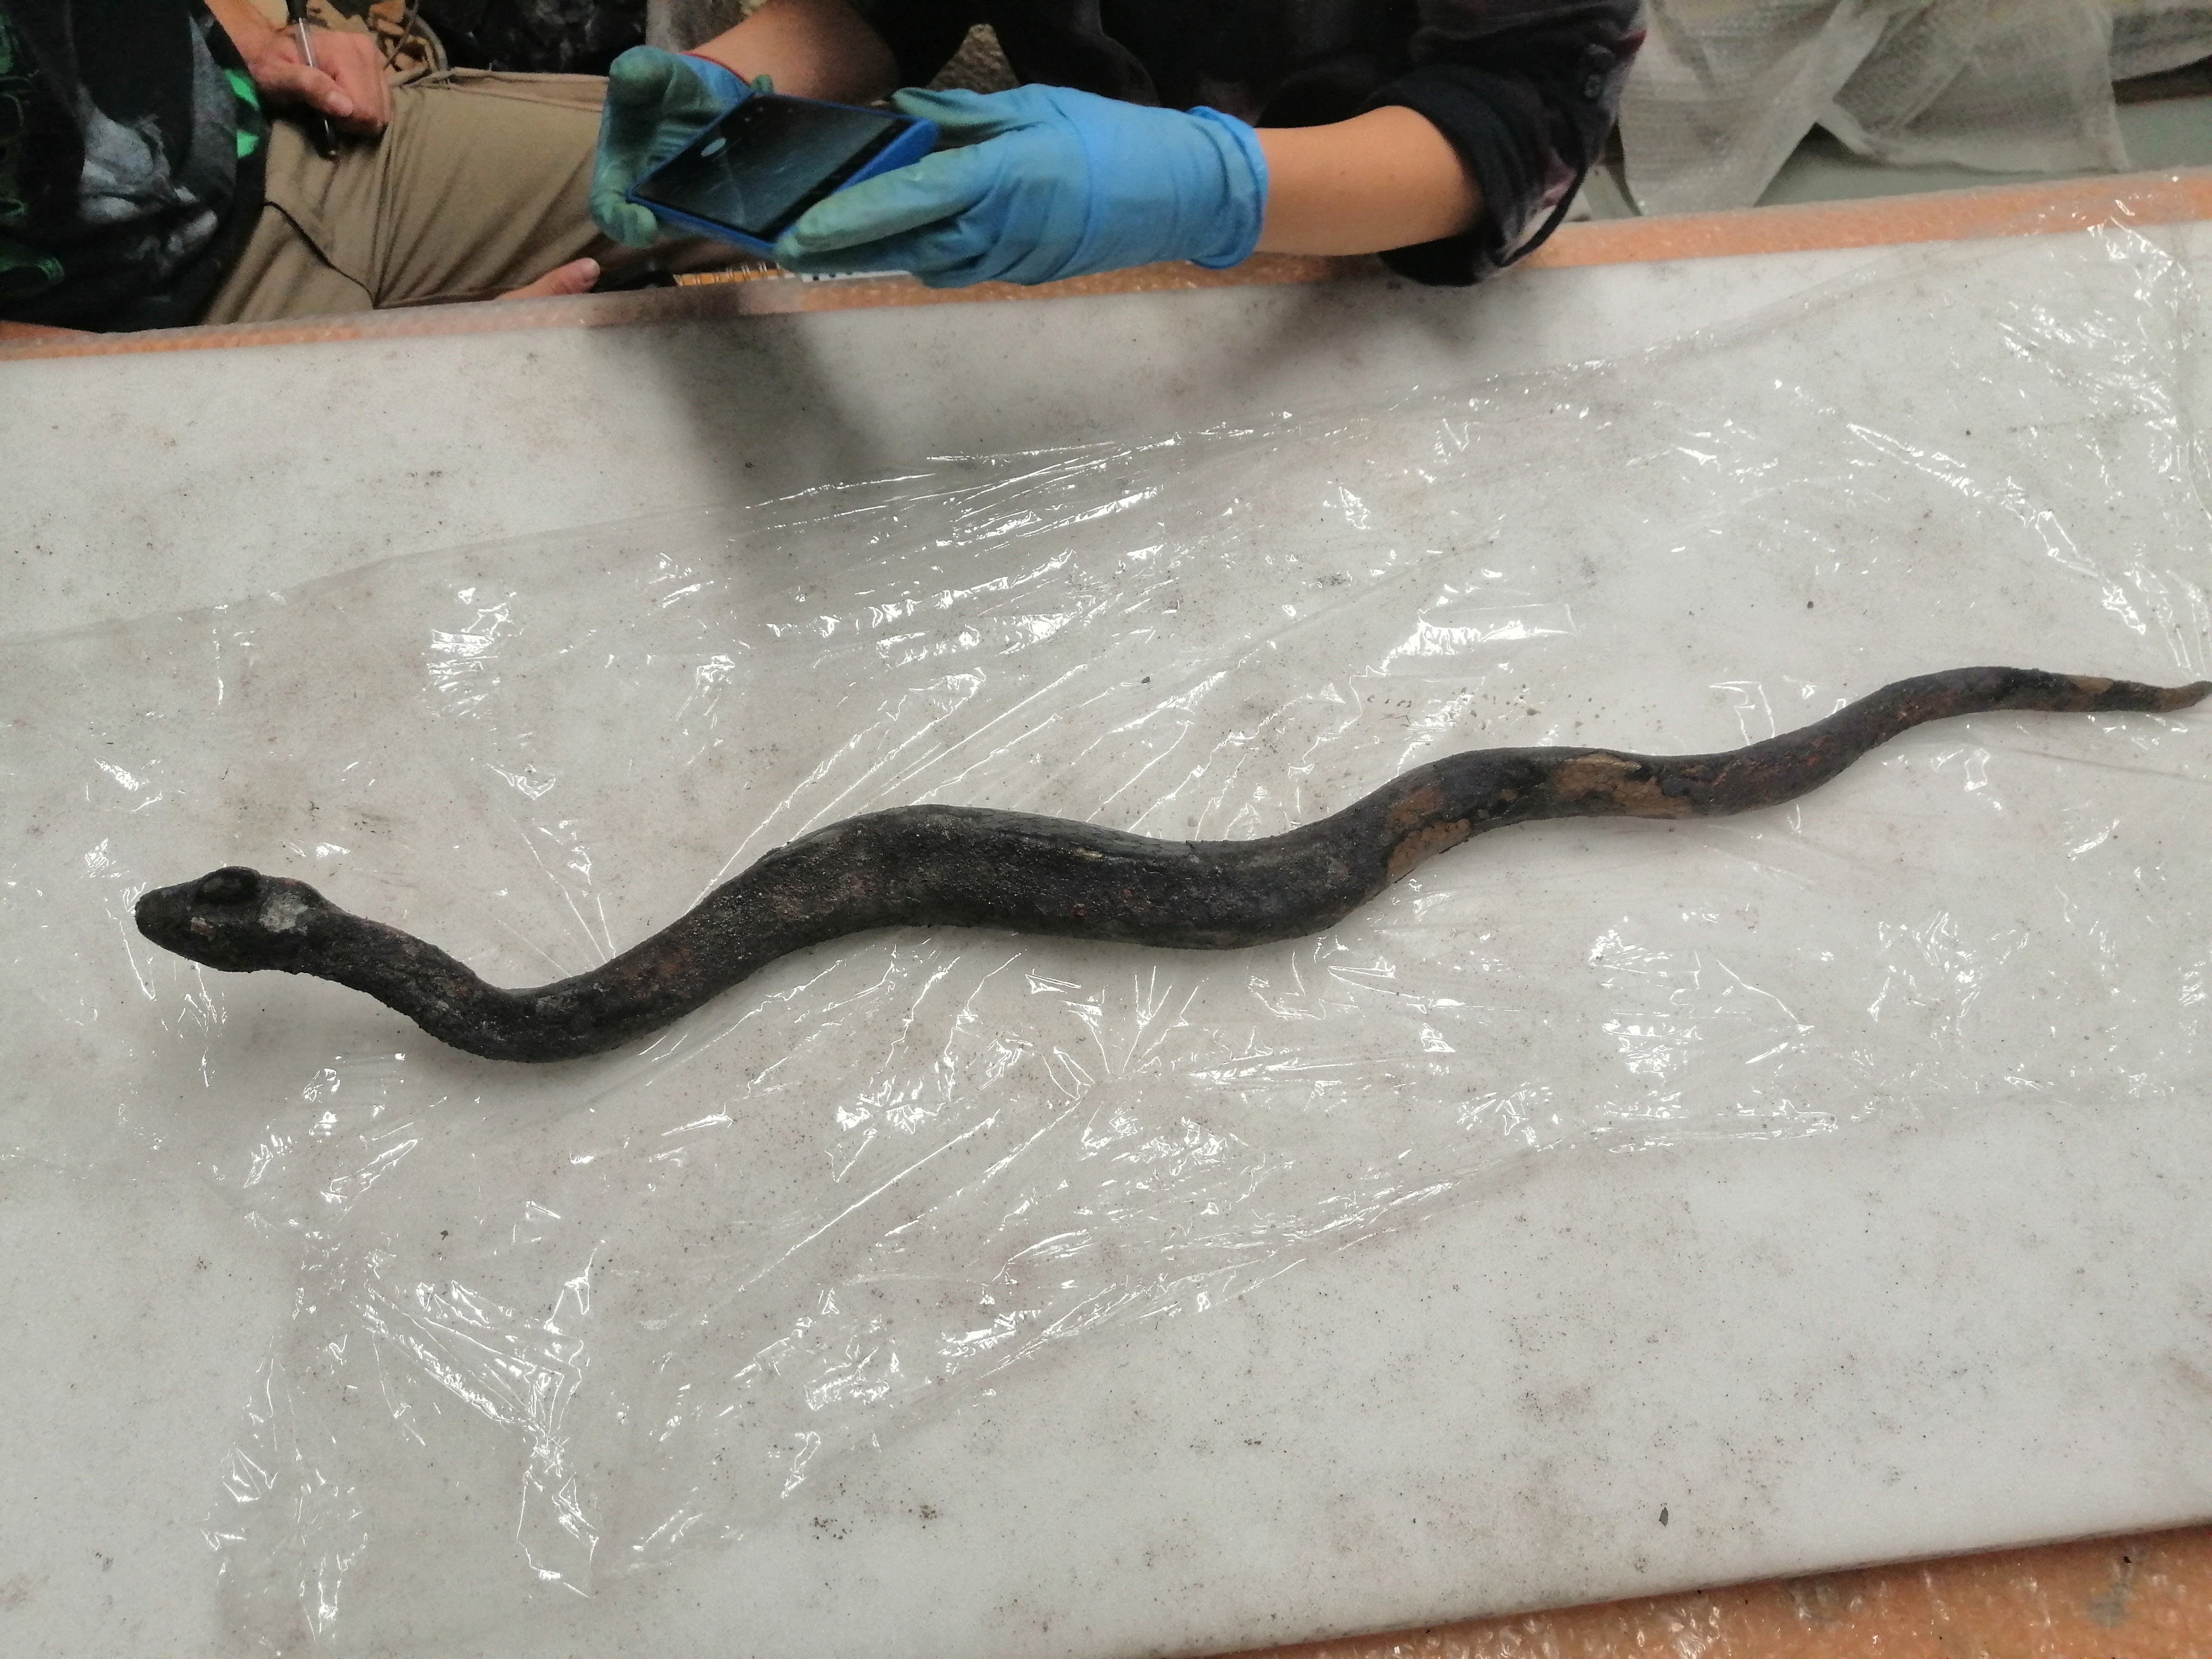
x: 1525, y: 90
x: 536, y: 36
x: 130, y: 158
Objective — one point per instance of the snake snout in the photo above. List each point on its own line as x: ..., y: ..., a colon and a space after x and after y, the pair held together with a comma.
x: 221, y: 919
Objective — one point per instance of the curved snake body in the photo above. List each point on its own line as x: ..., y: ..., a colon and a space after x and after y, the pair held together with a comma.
x: 971, y: 867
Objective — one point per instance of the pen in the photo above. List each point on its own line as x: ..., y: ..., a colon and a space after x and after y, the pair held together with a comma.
x: 318, y: 125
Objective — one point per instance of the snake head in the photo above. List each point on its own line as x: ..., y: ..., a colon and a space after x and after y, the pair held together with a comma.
x: 234, y: 918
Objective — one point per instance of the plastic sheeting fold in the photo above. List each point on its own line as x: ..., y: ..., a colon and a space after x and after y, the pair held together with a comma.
x: 1725, y: 90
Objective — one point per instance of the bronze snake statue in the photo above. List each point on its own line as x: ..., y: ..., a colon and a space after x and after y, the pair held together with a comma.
x: 969, y: 867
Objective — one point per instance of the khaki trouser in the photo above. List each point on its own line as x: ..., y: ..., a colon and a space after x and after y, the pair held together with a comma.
x: 478, y: 185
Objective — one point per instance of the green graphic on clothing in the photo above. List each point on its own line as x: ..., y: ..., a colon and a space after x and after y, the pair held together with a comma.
x: 250, y: 128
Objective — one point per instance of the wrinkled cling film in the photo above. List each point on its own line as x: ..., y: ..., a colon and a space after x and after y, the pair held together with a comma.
x: 556, y: 1325
x: 1726, y: 89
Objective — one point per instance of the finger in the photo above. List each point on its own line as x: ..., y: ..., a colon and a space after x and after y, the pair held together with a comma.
x: 624, y: 219
x: 371, y: 96
x: 356, y: 64
x: 937, y: 187
x: 942, y: 256
x: 951, y: 255
x: 986, y: 266
x: 646, y: 87
x: 577, y: 276
x: 639, y: 78
x: 964, y: 117
x: 885, y: 255
x: 372, y: 111
x: 844, y: 262
x: 297, y: 83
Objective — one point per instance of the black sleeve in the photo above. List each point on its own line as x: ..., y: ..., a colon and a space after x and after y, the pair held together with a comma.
x: 922, y: 34
x: 1526, y: 91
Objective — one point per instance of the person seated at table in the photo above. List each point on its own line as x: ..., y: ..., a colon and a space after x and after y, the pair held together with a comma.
x: 144, y: 183
x: 1448, y: 135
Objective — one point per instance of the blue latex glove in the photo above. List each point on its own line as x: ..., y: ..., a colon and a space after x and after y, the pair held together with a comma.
x: 656, y: 101
x: 1042, y: 183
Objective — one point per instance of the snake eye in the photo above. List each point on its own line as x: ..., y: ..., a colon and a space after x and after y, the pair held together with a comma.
x: 233, y: 884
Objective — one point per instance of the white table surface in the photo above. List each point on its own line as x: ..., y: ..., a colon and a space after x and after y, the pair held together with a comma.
x: 1940, y: 1327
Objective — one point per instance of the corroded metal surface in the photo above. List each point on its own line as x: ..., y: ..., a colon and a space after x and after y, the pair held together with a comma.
x: 971, y: 867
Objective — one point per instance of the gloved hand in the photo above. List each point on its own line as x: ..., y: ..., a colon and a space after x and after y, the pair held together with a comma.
x: 1042, y: 183
x: 656, y: 101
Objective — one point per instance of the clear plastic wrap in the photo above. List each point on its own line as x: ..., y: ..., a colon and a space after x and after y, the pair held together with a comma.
x: 555, y: 1325
x: 1726, y: 89
x: 1997, y: 87
x: 1722, y: 92
x: 2152, y: 36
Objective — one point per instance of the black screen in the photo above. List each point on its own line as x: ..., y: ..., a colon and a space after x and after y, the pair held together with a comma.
x: 766, y: 161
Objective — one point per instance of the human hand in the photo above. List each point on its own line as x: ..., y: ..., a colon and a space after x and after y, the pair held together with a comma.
x: 1042, y: 183
x: 347, y: 84
x: 656, y: 101
x: 577, y: 276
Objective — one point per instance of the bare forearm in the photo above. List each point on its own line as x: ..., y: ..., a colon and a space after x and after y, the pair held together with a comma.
x: 811, y: 49
x: 249, y: 31
x: 1384, y: 179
